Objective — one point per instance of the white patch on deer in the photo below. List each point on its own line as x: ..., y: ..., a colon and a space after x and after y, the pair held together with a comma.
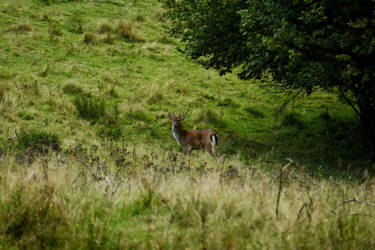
x: 176, y: 136
x: 213, y: 140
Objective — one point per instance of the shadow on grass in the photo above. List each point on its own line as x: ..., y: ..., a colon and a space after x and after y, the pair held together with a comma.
x: 325, y: 146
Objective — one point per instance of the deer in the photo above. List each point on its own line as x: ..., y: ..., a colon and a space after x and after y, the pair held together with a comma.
x: 192, y: 139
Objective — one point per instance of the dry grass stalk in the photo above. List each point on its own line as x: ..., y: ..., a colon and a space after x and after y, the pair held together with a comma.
x: 281, y: 182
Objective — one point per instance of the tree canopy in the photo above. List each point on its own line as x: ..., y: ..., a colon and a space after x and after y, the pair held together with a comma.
x: 303, y: 44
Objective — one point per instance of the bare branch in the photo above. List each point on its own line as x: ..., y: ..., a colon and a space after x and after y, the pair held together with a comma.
x: 350, y: 201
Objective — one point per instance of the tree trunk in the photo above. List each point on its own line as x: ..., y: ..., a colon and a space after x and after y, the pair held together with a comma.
x: 367, y: 116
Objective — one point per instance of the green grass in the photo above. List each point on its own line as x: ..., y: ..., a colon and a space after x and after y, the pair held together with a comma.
x: 38, y: 140
x: 90, y: 108
x: 93, y: 81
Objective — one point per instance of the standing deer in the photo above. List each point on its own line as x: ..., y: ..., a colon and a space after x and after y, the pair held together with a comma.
x: 192, y: 139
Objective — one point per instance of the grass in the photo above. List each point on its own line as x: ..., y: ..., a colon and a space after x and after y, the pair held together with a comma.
x: 158, y: 201
x: 87, y: 159
x: 90, y: 108
x: 39, y: 141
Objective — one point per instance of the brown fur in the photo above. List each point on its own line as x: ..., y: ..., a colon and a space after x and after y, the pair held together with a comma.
x: 193, y: 139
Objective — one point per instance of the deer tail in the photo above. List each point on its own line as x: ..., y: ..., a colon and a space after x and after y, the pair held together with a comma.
x: 214, y: 140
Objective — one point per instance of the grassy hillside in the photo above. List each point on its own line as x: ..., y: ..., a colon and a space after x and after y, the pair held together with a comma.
x: 87, y: 157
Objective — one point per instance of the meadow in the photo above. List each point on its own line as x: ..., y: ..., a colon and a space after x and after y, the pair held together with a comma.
x: 87, y: 158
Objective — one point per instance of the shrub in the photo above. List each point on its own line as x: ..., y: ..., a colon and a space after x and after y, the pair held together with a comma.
x: 90, y: 108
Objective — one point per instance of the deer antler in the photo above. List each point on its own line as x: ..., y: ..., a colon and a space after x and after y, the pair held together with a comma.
x: 183, y: 116
x: 171, y: 115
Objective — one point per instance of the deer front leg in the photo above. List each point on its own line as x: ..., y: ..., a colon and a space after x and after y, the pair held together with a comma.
x: 187, y: 150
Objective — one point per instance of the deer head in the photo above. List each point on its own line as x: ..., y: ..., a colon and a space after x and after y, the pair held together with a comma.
x: 177, y: 119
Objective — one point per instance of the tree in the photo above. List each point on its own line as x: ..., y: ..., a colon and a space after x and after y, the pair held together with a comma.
x: 303, y: 44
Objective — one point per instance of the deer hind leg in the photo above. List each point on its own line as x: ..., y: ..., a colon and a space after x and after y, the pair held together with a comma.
x: 211, y: 150
x: 212, y: 147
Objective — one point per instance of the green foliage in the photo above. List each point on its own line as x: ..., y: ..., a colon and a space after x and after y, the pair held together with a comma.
x: 301, y: 44
x: 89, y: 107
x: 40, y: 141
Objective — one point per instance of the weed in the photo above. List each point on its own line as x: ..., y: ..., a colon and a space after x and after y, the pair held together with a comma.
x: 90, y: 108
x: 38, y: 141
x: 90, y: 38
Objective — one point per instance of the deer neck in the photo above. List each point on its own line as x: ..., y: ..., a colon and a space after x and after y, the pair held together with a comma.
x: 176, y: 131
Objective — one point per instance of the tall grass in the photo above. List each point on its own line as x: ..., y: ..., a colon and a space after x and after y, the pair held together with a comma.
x: 157, y: 200
x: 90, y: 108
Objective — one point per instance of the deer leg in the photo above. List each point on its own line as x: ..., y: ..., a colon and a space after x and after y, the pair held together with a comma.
x: 212, y: 151
x: 187, y: 150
